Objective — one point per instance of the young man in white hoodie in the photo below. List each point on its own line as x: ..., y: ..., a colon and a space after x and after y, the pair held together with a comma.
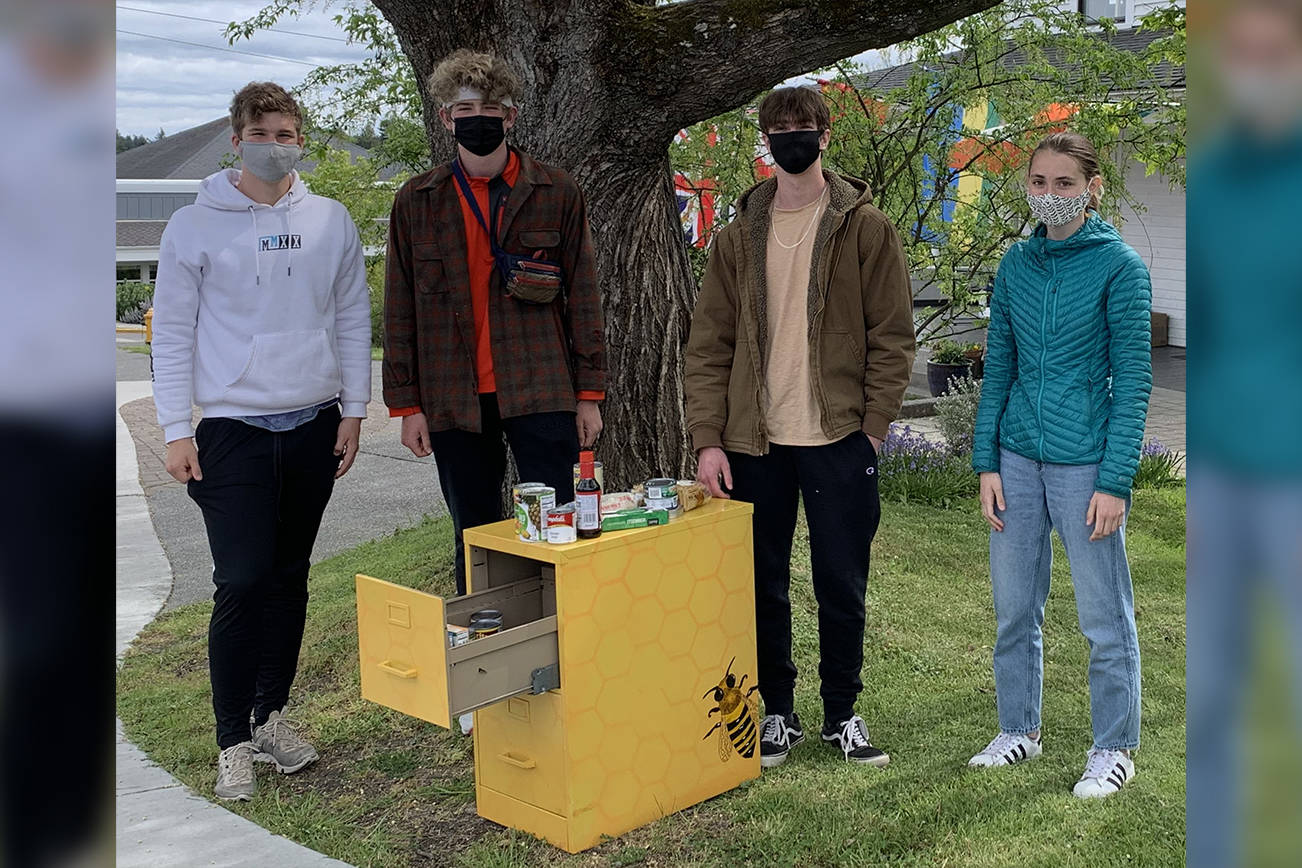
x: 262, y: 318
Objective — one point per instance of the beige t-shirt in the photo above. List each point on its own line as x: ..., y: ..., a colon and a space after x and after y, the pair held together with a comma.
x: 789, y: 404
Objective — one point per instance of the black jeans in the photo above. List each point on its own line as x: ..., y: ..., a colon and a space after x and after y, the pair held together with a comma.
x: 262, y: 497
x: 472, y: 465
x: 838, y: 483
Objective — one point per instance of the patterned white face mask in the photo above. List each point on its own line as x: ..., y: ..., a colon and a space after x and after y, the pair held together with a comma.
x: 1054, y: 210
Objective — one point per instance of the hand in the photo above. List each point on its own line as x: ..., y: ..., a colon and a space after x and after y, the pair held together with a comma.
x: 588, y: 418
x: 346, y: 443
x: 876, y: 442
x: 1105, y: 515
x: 182, y: 460
x: 415, y: 435
x: 992, y: 496
x: 710, y: 465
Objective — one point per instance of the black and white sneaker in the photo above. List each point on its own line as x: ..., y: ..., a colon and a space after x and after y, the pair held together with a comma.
x: 778, y: 735
x: 852, y: 737
x: 1106, y: 772
x: 1008, y: 749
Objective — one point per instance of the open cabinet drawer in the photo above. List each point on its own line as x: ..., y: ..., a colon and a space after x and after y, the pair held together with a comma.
x: 406, y: 663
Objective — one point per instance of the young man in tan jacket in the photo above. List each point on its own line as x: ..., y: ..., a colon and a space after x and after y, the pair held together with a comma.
x: 801, y: 346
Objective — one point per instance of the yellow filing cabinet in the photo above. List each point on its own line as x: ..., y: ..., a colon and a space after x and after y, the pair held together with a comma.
x: 621, y: 688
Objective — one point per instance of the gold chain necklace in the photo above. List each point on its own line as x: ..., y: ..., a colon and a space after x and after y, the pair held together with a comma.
x: 818, y: 212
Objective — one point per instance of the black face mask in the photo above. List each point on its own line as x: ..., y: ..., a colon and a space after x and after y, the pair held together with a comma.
x: 795, y: 151
x: 479, y: 134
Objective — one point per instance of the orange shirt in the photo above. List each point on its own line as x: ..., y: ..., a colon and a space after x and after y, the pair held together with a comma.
x: 480, y: 265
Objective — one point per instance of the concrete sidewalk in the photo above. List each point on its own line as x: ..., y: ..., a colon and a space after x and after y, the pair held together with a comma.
x: 161, y: 823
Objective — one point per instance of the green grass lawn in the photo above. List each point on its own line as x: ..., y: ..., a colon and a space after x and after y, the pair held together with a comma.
x: 392, y: 790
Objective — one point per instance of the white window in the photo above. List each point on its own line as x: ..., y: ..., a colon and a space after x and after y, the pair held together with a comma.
x: 1096, y: 9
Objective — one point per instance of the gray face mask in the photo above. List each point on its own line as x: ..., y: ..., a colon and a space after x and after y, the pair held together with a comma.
x: 269, y: 161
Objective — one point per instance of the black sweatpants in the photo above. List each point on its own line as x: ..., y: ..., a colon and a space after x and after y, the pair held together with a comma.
x: 838, y: 484
x: 262, y: 497
x: 472, y: 465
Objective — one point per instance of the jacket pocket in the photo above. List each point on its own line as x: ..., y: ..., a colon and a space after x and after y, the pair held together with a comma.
x: 286, y: 370
x: 540, y: 239
x: 841, y: 373
x: 427, y: 267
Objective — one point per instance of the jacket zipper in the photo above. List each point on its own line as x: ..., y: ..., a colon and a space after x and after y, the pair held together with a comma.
x: 813, y: 332
x: 1053, y: 318
x: 1044, y: 349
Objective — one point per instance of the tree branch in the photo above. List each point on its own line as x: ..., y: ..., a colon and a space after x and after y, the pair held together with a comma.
x: 699, y: 58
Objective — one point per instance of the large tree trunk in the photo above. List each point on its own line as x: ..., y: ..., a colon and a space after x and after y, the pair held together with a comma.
x: 607, y: 85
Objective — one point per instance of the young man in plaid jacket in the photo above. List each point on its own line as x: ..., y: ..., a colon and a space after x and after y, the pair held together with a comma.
x: 478, y: 344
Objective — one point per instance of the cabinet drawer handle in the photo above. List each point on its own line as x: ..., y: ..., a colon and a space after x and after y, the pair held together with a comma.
x: 387, y: 666
x: 511, y: 760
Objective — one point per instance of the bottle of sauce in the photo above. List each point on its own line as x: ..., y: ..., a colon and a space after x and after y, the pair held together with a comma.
x: 587, y: 496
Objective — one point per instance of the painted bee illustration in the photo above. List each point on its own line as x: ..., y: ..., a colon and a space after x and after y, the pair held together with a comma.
x: 737, y: 715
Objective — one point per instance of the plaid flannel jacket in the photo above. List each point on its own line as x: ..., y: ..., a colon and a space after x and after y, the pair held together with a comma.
x: 543, y: 355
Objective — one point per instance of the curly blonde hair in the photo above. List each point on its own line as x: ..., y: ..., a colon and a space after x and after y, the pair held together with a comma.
x: 477, y: 70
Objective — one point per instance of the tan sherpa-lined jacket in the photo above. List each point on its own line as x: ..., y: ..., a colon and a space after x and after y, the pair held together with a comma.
x: 861, y: 335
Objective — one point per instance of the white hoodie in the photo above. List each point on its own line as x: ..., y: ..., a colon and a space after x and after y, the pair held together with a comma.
x: 259, y: 309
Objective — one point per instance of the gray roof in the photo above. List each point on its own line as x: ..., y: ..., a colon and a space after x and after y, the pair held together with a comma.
x: 1131, y: 39
x: 140, y: 233
x: 198, y: 152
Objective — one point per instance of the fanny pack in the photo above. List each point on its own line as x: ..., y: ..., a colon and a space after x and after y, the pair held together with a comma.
x: 530, y: 279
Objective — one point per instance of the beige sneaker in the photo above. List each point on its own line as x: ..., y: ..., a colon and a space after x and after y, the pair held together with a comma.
x: 235, y: 779
x: 277, y: 742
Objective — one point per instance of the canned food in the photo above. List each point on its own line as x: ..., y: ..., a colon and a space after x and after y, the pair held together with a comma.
x: 481, y: 627
x: 662, y: 489
x: 597, y: 473
x: 559, y: 523
x: 531, y: 503
x: 487, y: 614
x: 662, y: 494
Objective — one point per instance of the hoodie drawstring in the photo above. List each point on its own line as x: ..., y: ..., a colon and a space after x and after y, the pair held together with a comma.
x: 257, y: 247
x: 257, y: 244
x: 289, y: 227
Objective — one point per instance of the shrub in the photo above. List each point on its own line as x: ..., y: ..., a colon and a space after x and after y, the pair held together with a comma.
x: 375, y: 286
x: 134, y: 298
x: 1159, y: 467
x: 947, y: 352
x: 911, y: 468
x: 956, y: 411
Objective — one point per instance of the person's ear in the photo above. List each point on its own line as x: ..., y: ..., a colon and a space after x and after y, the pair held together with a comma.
x: 302, y: 139
x: 235, y: 143
x: 508, y: 120
x: 446, y: 117
x: 825, y: 139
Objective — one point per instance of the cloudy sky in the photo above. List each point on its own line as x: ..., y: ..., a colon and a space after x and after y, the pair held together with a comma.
x: 162, y: 83
x: 175, y: 72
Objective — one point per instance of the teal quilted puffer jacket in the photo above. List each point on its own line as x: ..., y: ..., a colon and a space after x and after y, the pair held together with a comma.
x: 1068, y: 367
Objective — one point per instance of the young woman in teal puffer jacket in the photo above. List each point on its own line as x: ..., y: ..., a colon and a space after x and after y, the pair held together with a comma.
x: 1068, y: 374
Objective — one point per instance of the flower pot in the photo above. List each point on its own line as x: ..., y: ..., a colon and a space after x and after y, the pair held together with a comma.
x: 938, y: 376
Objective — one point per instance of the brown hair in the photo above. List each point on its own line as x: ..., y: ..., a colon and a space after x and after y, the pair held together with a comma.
x: 794, y: 106
x: 477, y: 70
x: 258, y: 98
x: 1080, y: 149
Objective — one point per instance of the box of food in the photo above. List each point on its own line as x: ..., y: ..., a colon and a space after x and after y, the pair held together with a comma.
x: 457, y: 635
x: 631, y: 518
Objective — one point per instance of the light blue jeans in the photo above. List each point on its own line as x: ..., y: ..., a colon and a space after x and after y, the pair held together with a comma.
x: 1041, y: 497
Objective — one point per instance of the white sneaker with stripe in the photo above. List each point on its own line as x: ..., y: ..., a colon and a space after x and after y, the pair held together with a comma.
x: 1106, y: 771
x: 1007, y: 749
